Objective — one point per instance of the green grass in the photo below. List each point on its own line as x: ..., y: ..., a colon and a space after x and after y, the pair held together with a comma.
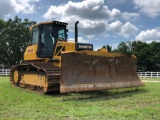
x: 123, y: 104
x: 154, y: 79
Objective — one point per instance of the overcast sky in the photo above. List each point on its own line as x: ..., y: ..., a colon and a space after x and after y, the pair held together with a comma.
x: 102, y: 22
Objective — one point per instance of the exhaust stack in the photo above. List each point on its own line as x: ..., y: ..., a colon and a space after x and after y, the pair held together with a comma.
x: 76, y: 31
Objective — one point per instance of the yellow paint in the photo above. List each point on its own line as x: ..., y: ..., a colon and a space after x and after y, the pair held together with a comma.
x: 34, y: 79
x: 134, y: 56
x: 16, y: 76
x: 98, y: 53
x: 30, y: 53
x: 67, y: 46
x: 103, y: 50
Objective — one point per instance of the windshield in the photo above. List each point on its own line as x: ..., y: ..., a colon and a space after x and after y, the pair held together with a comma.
x: 47, y: 34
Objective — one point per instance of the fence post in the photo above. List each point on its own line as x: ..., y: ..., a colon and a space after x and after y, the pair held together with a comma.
x: 6, y: 72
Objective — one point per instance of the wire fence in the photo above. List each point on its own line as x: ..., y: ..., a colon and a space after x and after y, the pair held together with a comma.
x: 6, y: 72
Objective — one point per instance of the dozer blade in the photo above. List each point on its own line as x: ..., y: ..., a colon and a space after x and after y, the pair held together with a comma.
x: 90, y: 70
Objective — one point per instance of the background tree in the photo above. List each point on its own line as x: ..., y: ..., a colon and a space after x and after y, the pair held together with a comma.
x: 14, y: 38
x: 125, y: 48
x: 2, y: 26
x: 154, y: 57
x: 142, y: 51
x: 148, y: 54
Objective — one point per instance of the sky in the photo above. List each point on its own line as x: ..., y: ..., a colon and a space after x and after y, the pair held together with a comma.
x: 101, y: 22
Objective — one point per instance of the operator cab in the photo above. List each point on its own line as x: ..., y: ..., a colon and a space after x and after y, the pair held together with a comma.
x: 46, y: 36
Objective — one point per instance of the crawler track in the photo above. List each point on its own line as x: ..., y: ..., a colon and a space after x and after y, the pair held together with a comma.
x: 50, y: 72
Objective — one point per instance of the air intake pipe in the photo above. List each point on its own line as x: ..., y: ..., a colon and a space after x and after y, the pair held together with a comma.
x: 76, y: 31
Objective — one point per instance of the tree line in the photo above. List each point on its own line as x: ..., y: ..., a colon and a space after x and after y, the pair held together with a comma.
x: 15, y: 37
x: 148, y: 54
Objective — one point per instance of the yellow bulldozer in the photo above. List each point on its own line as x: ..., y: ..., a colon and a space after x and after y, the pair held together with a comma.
x: 52, y: 63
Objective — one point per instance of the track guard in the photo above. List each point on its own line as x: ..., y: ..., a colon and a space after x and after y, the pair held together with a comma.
x: 87, y: 71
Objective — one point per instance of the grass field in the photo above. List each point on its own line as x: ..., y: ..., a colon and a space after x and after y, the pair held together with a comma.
x: 123, y: 104
x: 151, y: 79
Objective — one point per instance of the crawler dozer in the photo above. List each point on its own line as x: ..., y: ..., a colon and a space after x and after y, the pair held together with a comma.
x: 51, y: 63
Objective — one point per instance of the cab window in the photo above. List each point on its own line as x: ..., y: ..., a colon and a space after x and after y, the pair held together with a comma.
x: 35, y: 36
x: 61, y: 33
